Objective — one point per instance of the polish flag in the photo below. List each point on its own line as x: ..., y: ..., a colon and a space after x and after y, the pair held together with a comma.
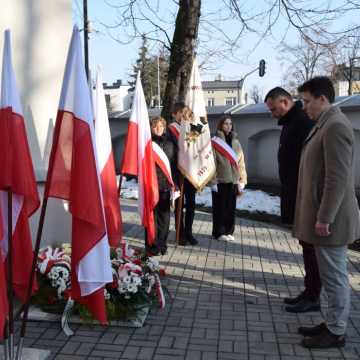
x: 73, y: 176
x: 17, y: 174
x: 138, y: 160
x: 106, y: 165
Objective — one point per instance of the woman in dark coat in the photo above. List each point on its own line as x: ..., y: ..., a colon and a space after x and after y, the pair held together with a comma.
x: 165, y: 160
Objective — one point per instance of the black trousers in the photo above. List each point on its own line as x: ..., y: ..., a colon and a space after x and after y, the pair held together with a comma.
x: 162, y: 223
x: 312, y: 280
x: 189, y: 205
x: 223, y: 209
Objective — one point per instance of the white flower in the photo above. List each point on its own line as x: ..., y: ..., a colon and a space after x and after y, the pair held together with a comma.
x: 126, y: 280
x: 132, y: 288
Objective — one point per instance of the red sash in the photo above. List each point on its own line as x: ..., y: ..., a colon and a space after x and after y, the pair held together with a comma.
x: 174, y: 127
x: 163, y: 162
x: 224, y: 149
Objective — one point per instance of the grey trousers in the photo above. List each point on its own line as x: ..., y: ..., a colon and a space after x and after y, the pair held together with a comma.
x: 332, y: 262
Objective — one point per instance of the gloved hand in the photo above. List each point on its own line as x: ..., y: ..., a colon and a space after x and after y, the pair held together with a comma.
x: 214, y: 188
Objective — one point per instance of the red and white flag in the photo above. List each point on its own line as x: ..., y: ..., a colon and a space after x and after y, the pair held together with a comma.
x: 138, y: 160
x: 17, y: 174
x: 106, y: 165
x: 73, y: 176
x: 195, y: 158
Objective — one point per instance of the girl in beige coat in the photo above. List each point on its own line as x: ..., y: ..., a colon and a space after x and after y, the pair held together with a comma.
x: 229, y: 181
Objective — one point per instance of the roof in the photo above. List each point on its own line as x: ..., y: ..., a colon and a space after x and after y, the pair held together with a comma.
x: 218, y: 84
x: 347, y: 103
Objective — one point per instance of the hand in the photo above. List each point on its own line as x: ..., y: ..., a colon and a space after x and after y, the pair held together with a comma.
x: 214, y: 188
x: 322, y: 229
x: 240, y: 188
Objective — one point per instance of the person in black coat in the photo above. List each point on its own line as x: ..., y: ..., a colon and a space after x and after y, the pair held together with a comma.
x: 166, y: 189
x: 296, y: 126
x: 186, y: 234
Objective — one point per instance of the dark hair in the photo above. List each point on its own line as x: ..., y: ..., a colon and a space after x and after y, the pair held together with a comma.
x: 179, y: 106
x: 276, y: 92
x: 317, y: 86
x: 222, y: 120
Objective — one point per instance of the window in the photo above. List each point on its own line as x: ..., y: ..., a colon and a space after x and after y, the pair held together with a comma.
x: 230, y: 101
x: 210, y: 102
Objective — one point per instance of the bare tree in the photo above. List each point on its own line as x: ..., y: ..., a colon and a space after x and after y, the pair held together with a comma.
x: 256, y: 94
x: 343, y: 56
x: 199, y: 26
x: 304, y: 60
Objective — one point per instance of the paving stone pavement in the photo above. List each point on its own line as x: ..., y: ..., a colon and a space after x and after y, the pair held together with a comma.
x: 226, y: 303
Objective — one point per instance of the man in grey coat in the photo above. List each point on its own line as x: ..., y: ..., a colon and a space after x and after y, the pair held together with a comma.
x: 327, y: 213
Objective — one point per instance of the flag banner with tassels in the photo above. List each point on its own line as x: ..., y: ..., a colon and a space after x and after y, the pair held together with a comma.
x: 73, y: 176
x: 195, y: 159
x: 138, y: 160
x: 17, y: 175
x: 106, y: 165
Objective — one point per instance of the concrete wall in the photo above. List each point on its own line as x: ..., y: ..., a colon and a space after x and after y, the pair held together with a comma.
x: 40, y: 33
x: 259, y: 136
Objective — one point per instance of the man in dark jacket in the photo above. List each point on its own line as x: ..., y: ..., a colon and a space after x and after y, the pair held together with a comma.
x: 296, y: 126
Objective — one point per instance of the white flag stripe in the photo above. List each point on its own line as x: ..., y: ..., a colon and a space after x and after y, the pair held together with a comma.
x: 9, y: 93
x: 102, y: 128
x: 140, y: 116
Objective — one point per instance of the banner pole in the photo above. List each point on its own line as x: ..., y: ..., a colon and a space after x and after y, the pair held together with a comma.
x: 179, y: 210
x: 31, y: 279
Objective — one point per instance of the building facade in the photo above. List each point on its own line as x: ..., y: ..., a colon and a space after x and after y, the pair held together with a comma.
x: 117, y: 96
x: 220, y: 92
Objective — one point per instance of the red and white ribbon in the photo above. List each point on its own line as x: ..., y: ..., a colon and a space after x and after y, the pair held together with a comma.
x: 174, y: 127
x: 163, y: 162
x: 224, y: 149
x: 159, y: 291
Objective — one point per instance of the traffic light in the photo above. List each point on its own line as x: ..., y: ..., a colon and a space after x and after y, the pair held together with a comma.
x: 262, y: 68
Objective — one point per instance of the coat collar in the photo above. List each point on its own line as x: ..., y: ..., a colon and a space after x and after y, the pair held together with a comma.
x: 322, y: 120
x: 291, y: 114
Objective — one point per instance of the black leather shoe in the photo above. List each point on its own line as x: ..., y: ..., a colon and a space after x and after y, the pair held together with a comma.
x: 311, y: 331
x: 303, y: 305
x: 324, y: 340
x: 163, y: 251
x: 294, y: 300
x: 191, y: 240
x: 182, y: 242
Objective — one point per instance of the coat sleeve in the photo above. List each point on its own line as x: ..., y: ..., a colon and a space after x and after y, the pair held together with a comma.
x: 242, y: 168
x: 338, y: 156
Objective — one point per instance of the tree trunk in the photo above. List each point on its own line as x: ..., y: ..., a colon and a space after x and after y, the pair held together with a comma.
x: 181, y: 55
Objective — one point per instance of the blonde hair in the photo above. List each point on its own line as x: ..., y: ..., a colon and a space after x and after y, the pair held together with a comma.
x: 157, y: 119
x: 187, y: 114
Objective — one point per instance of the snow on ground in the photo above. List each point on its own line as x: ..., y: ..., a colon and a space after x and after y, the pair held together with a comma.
x: 252, y: 200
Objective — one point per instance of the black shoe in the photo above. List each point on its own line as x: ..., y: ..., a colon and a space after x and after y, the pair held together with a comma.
x: 163, y: 251
x: 311, y: 331
x: 295, y: 300
x: 304, y: 305
x: 191, y: 240
x: 326, y: 339
x: 182, y: 242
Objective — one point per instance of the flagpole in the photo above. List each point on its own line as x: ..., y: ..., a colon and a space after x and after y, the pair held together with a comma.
x: 86, y: 37
x: 31, y: 279
x: 119, y: 187
x: 179, y: 210
x: 10, y: 278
